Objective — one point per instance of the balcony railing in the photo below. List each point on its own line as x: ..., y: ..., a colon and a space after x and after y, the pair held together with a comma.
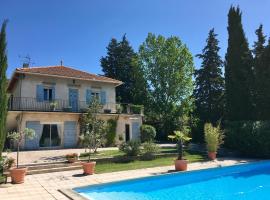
x: 60, y: 105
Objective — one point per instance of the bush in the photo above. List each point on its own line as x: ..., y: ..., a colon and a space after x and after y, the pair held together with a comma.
x: 213, y: 137
x: 148, y: 133
x: 136, y: 109
x: 149, y: 150
x: 251, y: 138
x: 71, y: 155
x: 111, y: 132
x: 131, y: 148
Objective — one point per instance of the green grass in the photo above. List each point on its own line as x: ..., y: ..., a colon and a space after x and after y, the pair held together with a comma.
x: 139, y: 164
x: 113, y: 153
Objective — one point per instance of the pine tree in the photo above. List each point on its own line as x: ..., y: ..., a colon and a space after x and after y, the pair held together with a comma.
x: 238, y: 71
x: 3, y: 86
x: 209, y: 89
x: 259, y: 72
x: 120, y: 63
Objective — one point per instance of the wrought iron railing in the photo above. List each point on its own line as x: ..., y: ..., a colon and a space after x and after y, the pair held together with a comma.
x: 60, y: 105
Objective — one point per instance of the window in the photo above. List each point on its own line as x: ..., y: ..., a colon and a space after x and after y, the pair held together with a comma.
x: 47, y: 94
x: 95, y: 95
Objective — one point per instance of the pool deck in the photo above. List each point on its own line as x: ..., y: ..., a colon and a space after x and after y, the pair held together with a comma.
x: 47, y: 186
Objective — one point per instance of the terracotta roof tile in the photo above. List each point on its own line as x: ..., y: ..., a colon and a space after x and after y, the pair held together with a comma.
x: 66, y: 72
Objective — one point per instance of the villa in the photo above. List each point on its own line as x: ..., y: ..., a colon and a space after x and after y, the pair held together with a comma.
x: 50, y: 100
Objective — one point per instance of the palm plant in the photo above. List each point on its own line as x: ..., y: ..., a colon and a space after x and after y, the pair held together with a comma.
x: 181, y: 137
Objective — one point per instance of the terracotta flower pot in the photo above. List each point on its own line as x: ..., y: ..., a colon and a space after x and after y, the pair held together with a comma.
x: 18, y: 174
x: 212, y: 155
x: 88, y: 167
x: 180, y: 165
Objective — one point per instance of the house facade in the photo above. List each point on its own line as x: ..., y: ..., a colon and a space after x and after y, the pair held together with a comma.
x: 50, y: 100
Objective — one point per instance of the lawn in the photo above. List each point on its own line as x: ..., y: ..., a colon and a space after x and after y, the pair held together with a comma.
x: 139, y: 164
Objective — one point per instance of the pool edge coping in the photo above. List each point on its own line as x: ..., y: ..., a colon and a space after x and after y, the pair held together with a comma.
x: 71, y: 194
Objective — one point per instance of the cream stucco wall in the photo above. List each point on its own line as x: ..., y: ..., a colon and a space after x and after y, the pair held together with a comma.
x: 60, y: 117
x: 26, y: 87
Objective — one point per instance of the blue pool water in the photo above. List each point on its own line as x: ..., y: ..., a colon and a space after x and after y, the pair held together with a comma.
x: 247, y: 181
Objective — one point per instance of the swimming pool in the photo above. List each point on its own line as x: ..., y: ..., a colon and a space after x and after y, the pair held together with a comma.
x: 246, y: 181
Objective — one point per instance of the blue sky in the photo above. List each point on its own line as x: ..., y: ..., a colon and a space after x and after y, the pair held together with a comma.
x: 78, y: 32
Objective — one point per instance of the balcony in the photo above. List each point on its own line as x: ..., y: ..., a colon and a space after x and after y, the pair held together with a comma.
x: 60, y: 105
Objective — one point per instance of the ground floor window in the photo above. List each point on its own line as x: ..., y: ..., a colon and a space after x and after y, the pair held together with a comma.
x: 50, y: 136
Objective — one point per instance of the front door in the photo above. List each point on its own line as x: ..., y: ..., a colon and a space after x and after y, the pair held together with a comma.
x: 73, y: 99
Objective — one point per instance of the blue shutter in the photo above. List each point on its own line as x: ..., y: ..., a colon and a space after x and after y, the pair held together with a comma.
x: 70, y: 134
x: 135, y: 131
x: 53, y: 93
x: 33, y: 144
x: 88, y: 96
x: 103, y: 97
x: 40, y: 93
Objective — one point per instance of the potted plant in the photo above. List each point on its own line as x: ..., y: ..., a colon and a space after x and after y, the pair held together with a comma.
x: 53, y: 105
x: 214, y: 138
x: 181, y: 137
x: 92, y: 134
x: 72, y: 157
x: 18, y: 173
x: 119, y: 108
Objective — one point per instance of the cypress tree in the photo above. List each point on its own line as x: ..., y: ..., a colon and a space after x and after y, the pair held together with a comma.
x: 263, y: 84
x: 238, y: 71
x: 260, y: 69
x: 209, y: 90
x: 120, y: 63
x: 3, y: 86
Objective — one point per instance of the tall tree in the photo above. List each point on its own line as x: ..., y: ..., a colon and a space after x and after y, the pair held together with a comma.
x: 260, y: 70
x: 209, y: 90
x: 238, y: 71
x: 3, y: 85
x: 262, y: 67
x: 168, y: 69
x: 120, y: 63
x: 259, y: 45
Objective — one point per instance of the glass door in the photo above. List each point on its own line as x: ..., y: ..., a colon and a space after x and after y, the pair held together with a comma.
x: 50, y: 136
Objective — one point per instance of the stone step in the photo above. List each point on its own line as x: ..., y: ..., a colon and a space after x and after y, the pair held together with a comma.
x: 53, y: 169
x: 51, y: 165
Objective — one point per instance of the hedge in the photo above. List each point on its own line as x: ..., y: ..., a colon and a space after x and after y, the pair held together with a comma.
x: 251, y: 138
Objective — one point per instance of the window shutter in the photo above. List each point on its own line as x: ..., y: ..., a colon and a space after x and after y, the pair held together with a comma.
x: 40, y: 93
x: 88, y: 96
x: 103, y: 97
x: 53, y: 93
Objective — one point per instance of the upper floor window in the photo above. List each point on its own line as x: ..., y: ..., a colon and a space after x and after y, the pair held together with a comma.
x: 48, y: 94
x: 95, y: 95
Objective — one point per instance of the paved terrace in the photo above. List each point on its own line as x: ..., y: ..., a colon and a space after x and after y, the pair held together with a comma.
x: 46, y: 186
x: 55, y: 155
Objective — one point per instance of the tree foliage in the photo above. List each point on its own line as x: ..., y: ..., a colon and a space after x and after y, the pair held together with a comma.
x: 93, y: 128
x: 262, y: 74
x: 3, y: 86
x: 238, y: 70
x: 168, y: 67
x: 121, y: 64
x: 209, y: 90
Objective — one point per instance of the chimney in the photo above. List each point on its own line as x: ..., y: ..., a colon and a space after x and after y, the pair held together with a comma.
x: 25, y: 65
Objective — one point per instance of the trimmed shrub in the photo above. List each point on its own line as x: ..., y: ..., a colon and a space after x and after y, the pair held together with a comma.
x: 111, y: 132
x: 149, y: 150
x: 148, y: 133
x: 136, y: 109
x: 131, y: 148
x: 251, y: 138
